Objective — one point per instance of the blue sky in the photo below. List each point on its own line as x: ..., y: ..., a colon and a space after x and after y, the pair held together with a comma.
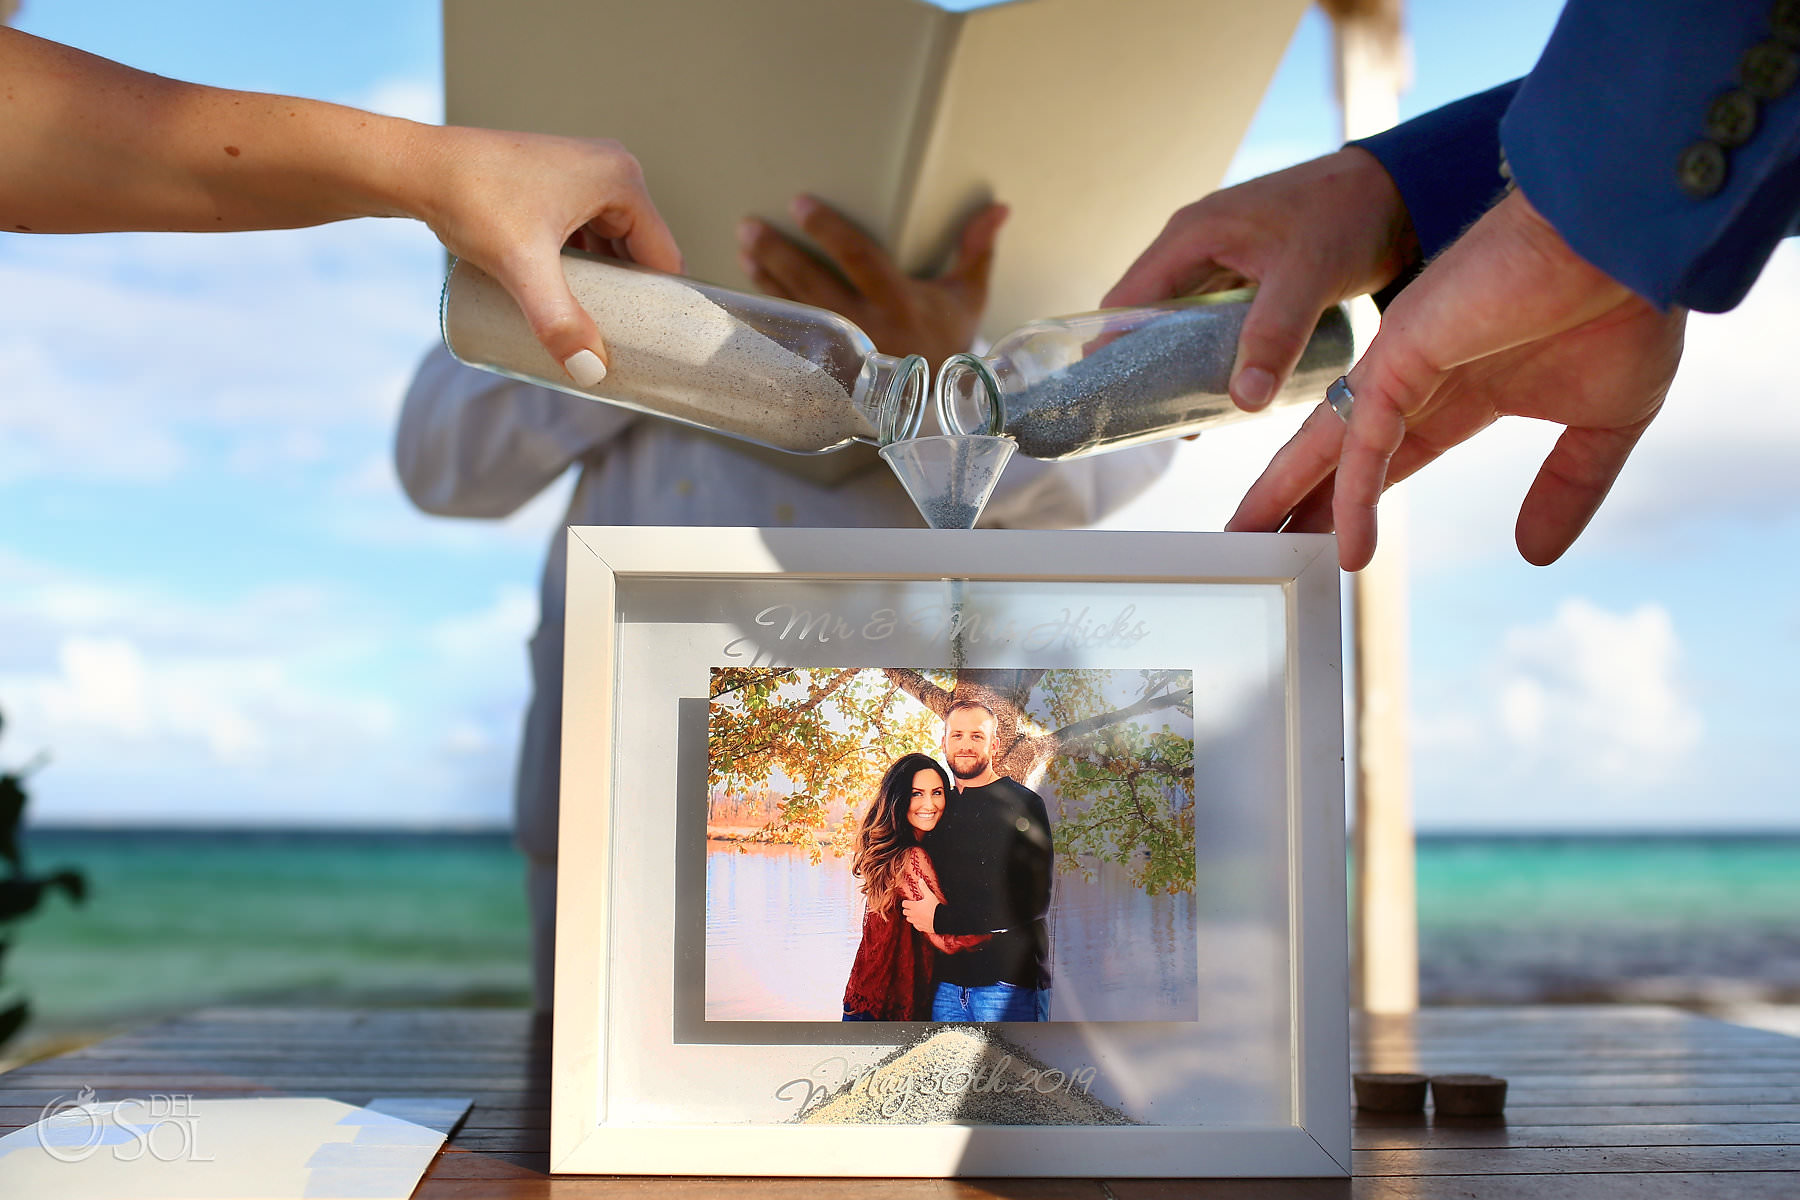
x: 215, y: 605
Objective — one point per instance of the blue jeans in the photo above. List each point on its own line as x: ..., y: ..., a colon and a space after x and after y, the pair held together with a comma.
x: 990, y: 1002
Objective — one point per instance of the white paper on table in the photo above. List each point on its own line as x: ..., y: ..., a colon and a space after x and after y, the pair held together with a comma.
x: 171, y: 1146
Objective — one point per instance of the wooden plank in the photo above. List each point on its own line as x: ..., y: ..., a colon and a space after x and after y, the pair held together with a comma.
x: 1595, y: 1081
x: 292, y: 1075
x: 1741, y: 1185
x: 299, y: 1085
x: 1731, y: 1093
x: 1229, y: 1189
x: 1690, y: 1031
x: 1699, y: 1036
x: 534, y: 1141
x: 360, y: 1095
x: 1639, y: 1103
x: 1670, y: 1186
x: 54, y: 1071
x: 1650, y: 1114
x: 1575, y: 1160
x: 494, y: 1116
x: 1562, y: 1064
x: 249, y: 1048
x: 1469, y: 1134
x: 1590, y: 1052
x: 1550, y: 1021
x: 1671, y: 1048
x: 456, y: 1163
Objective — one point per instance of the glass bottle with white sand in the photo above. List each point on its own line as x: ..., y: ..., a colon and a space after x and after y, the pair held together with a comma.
x: 769, y: 371
x: 1065, y: 387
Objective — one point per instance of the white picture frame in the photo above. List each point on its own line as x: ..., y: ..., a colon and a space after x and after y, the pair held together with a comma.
x: 638, y: 1087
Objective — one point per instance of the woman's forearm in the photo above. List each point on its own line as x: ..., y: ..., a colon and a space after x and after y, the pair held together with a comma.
x: 92, y: 146
x: 89, y: 146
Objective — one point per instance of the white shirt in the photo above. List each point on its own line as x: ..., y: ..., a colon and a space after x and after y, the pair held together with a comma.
x: 474, y: 444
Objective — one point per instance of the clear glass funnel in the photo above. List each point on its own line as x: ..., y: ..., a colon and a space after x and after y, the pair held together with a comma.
x: 949, y: 477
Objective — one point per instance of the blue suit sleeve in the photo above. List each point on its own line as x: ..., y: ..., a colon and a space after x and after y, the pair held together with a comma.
x: 1446, y: 164
x: 1597, y: 135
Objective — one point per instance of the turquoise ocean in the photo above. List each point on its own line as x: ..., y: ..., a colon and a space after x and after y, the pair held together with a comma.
x: 183, y: 918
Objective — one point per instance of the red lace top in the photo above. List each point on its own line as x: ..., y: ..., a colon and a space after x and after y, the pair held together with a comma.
x: 891, y: 977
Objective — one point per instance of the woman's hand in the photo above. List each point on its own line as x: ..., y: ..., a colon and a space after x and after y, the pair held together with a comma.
x: 1309, y: 237
x: 902, y: 315
x: 1508, y: 320
x: 509, y: 202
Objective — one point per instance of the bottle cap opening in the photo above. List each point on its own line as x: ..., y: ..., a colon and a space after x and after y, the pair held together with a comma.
x: 968, y: 397
x: 902, y: 403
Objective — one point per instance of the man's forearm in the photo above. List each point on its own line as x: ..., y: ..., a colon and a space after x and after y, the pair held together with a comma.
x: 950, y: 922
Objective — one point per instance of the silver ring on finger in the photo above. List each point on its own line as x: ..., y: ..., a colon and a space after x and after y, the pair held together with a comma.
x: 1338, y: 395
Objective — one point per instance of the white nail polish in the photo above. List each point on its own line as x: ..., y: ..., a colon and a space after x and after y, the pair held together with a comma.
x: 585, y: 368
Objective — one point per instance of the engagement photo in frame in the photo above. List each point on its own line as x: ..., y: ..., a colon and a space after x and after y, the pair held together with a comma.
x: 936, y: 853
x: 961, y: 838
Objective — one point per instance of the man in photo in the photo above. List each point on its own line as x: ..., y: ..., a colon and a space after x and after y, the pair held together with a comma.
x: 993, y: 856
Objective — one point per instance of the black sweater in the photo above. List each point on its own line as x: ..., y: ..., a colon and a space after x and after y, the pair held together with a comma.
x: 993, y: 856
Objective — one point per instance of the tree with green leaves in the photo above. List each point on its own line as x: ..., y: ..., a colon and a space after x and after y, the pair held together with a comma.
x: 1123, y: 784
x: 20, y: 891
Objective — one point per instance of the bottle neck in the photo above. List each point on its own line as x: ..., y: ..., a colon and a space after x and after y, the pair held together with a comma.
x: 890, y: 394
x: 968, y: 397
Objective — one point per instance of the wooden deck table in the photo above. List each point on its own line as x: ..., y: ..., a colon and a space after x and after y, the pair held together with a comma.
x: 1604, y: 1102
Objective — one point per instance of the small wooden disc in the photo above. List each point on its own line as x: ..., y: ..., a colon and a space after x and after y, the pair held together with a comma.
x: 1397, y: 1093
x: 1468, y: 1095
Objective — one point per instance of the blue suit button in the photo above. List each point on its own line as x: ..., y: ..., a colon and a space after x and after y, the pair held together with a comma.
x: 1701, y: 170
x: 1767, y: 70
x: 1785, y: 17
x: 1732, y: 118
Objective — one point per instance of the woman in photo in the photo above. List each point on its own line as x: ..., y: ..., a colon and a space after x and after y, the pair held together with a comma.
x: 891, y: 977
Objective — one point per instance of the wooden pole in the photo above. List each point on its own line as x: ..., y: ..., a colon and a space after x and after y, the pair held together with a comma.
x: 1372, y: 70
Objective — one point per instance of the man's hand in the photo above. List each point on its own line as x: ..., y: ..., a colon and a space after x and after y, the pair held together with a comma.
x: 920, y: 913
x: 1309, y: 236
x: 1508, y: 320
x: 902, y: 315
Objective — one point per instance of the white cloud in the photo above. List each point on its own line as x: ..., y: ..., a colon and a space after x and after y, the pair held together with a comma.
x: 414, y: 99
x: 287, y: 704
x: 51, y: 424
x: 467, y: 738
x: 1601, y: 692
x: 109, y: 700
x: 131, y: 356
x: 370, y: 514
x: 374, y: 476
x: 1588, y: 699
x: 502, y: 626
x: 1727, y: 441
x: 128, y: 672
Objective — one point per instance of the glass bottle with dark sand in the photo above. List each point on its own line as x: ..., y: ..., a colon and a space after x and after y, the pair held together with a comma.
x: 1069, y: 386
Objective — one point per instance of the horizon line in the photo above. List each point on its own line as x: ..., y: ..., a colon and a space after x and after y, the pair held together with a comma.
x: 487, y: 829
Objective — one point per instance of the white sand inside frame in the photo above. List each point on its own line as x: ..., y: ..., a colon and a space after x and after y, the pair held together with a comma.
x: 962, y: 1075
